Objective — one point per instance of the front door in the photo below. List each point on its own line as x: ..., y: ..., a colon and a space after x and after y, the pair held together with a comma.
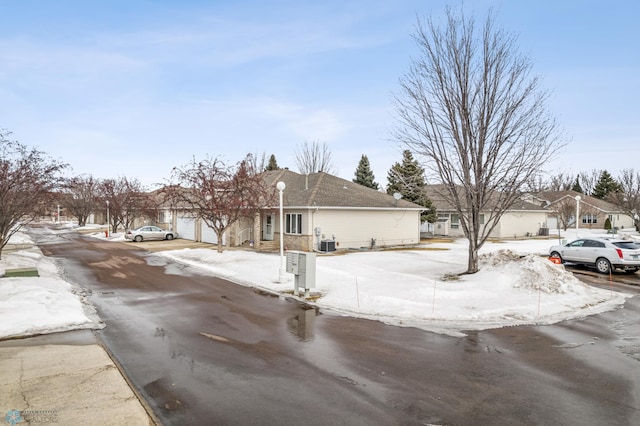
x: 268, y: 221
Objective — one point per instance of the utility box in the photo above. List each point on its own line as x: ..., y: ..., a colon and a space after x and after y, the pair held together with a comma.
x: 303, y: 267
x: 327, y: 245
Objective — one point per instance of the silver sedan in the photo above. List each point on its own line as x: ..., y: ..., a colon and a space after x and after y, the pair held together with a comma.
x: 149, y: 233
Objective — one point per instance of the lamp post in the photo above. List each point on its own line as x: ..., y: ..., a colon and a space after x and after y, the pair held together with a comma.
x: 58, y: 215
x: 107, y: 233
x: 577, y: 212
x: 281, y: 186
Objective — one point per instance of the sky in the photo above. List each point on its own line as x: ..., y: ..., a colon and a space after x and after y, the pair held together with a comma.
x: 516, y: 285
x: 135, y: 88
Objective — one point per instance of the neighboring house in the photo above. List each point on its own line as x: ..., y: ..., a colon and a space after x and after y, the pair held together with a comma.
x: 523, y: 219
x: 320, y: 212
x: 593, y: 212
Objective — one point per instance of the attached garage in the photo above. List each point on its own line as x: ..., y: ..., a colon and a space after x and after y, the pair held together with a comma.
x: 186, y: 227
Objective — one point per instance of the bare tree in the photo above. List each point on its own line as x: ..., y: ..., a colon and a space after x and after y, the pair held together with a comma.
x: 561, y: 182
x: 219, y: 194
x: 629, y: 198
x: 312, y: 157
x: 564, y: 211
x: 536, y: 183
x: 589, y: 180
x: 27, y: 179
x: 128, y: 200
x: 80, y: 196
x: 469, y: 106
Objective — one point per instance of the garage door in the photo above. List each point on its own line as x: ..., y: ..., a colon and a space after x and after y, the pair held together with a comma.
x: 209, y: 235
x: 186, y: 227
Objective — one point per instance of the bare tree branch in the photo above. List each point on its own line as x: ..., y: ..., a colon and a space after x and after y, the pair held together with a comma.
x: 219, y: 194
x: 27, y: 179
x: 312, y: 157
x: 469, y: 106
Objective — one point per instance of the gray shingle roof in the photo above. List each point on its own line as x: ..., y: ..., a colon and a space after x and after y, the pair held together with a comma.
x: 325, y: 190
x: 555, y: 196
x: 434, y: 192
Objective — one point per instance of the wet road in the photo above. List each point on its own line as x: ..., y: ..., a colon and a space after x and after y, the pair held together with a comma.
x: 202, y: 350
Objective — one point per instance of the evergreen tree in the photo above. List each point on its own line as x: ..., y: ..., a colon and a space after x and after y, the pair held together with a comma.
x: 273, y: 164
x: 576, y: 186
x: 364, y: 174
x: 606, y: 185
x: 408, y: 179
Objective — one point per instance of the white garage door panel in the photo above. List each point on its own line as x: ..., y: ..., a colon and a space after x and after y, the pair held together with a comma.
x: 209, y: 235
x: 186, y: 227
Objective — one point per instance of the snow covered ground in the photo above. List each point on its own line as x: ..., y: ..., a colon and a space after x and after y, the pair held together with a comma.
x: 516, y: 285
x: 43, y: 304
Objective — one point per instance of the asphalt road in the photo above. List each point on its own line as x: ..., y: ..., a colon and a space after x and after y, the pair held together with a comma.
x: 202, y: 350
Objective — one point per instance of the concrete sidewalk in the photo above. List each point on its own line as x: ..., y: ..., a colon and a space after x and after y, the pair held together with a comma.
x: 65, y: 384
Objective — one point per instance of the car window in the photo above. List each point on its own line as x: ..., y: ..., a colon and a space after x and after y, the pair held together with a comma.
x: 626, y: 245
x: 598, y: 244
x: 576, y: 243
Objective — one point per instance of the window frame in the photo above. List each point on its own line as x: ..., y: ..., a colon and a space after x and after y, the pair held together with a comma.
x: 293, y: 224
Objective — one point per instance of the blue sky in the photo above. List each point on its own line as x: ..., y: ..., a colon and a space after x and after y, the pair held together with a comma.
x: 134, y: 88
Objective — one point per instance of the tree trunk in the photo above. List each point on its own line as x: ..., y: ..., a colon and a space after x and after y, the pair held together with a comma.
x: 472, y: 266
x: 220, y: 247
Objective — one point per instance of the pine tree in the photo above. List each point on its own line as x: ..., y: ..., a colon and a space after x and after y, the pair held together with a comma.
x: 273, y: 164
x: 576, y: 186
x: 364, y: 174
x: 408, y: 180
x: 606, y: 185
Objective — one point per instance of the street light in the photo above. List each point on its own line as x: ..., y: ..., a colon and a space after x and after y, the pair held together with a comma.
x: 107, y: 233
x: 577, y: 212
x: 281, y: 186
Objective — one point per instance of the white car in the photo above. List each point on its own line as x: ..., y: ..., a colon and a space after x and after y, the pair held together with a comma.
x: 149, y: 233
x: 601, y: 253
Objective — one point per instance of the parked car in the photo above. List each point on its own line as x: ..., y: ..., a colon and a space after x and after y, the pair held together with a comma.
x: 601, y: 253
x: 149, y: 233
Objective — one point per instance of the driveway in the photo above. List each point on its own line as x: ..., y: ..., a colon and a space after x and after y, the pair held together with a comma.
x: 202, y: 350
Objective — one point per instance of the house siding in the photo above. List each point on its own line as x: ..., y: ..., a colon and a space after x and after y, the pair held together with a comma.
x: 520, y: 224
x: 355, y: 229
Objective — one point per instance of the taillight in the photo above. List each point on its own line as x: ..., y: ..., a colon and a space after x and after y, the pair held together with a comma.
x: 620, y: 253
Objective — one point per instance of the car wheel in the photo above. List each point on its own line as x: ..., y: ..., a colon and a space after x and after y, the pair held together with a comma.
x: 556, y: 254
x: 603, y: 266
x: 169, y: 236
x: 137, y: 238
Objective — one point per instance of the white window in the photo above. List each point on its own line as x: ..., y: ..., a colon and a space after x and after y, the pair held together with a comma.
x: 293, y: 223
x: 163, y: 216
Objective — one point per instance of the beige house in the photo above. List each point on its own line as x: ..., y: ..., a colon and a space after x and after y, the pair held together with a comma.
x: 523, y: 219
x: 321, y: 212
x: 593, y: 212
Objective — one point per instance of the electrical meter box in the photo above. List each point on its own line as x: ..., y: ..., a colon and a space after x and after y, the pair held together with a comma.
x: 303, y: 266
